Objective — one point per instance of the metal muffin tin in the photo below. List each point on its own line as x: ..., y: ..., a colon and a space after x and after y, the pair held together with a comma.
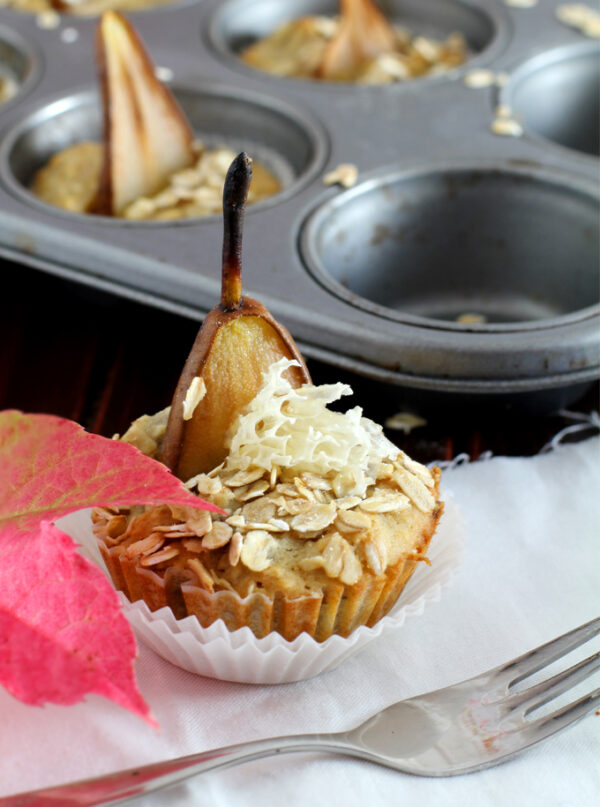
x: 447, y: 218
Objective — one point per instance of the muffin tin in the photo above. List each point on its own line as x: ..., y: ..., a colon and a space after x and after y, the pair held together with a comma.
x: 446, y: 218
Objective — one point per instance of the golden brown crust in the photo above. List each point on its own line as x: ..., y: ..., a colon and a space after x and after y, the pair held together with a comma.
x: 335, y: 609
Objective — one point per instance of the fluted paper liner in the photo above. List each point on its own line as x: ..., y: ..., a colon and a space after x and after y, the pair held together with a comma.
x: 238, y: 655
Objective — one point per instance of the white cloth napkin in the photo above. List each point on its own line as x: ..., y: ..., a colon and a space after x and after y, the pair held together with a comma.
x: 530, y: 572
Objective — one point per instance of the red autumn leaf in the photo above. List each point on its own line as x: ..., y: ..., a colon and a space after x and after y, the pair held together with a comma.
x: 62, y: 633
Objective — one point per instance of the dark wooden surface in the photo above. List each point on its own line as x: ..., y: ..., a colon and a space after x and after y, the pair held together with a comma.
x: 71, y: 351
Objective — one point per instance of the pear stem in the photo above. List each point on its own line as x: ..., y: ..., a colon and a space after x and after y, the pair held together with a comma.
x: 235, y: 193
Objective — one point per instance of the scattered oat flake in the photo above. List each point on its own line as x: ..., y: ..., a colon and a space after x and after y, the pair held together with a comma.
x: 235, y: 548
x: 345, y: 175
x: 352, y: 521
x: 163, y: 73
x: 236, y: 520
x: 395, y: 65
x: 168, y: 553
x: 69, y: 35
x: 405, y: 422
x: 385, y: 503
x: 373, y: 558
x: 241, y: 478
x: 317, y: 518
x: 200, y: 570
x: 48, y: 20
x: 255, y: 490
x: 255, y: 550
x: 471, y: 318
x: 507, y: 127
x: 145, y: 546
x: 193, y: 544
x: 477, y: 79
x: 416, y: 490
x: 72, y: 629
x: 218, y: 536
x: 582, y: 17
x: 503, y: 111
x: 195, y: 393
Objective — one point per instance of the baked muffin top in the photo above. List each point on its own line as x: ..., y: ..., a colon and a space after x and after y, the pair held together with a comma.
x: 70, y: 180
x: 298, y: 49
x: 309, y: 495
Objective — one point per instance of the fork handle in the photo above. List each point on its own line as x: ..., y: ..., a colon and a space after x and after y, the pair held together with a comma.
x: 134, y: 782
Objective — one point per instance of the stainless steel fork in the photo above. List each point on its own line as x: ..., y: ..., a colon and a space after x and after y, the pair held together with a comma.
x: 458, y: 729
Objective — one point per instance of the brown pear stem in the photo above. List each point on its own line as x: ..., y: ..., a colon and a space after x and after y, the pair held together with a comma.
x: 235, y: 194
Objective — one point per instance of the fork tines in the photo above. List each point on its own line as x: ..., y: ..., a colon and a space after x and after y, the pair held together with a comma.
x: 535, y: 660
x: 538, y: 694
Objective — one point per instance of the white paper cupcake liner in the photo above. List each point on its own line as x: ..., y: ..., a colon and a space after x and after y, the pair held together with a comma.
x: 239, y: 656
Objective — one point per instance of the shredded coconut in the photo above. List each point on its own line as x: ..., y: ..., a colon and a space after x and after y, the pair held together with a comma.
x: 294, y: 429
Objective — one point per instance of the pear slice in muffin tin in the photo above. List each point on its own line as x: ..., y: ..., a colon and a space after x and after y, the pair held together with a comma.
x: 288, y: 144
x: 238, y: 24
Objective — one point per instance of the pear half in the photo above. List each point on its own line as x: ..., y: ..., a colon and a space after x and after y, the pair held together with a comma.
x: 146, y: 135
x: 238, y: 341
x: 364, y: 33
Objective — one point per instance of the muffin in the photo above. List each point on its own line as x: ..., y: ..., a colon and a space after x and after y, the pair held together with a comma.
x: 324, y: 521
x: 359, y: 46
x: 71, y: 178
x: 148, y: 167
x: 82, y: 8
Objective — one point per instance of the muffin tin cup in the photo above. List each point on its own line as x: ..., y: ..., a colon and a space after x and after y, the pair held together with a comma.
x: 236, y: 24
x: 481, y: 231
x: 20, y: 63
x: 290, y: 144
x: 215, y: 652
x: 533, y: 342
x: 556, y: 96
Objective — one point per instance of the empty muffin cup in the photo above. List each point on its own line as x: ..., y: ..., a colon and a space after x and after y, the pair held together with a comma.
x: 478, y: 248
x: 289, y: 144
x: 556, y: 95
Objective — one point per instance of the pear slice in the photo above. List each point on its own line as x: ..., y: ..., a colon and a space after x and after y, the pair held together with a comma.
x: 364, y: 33
x: 146, y: 136
x: 238, y: 341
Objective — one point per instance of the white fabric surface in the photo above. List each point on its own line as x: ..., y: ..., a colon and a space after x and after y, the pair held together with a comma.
x: 530, y: 572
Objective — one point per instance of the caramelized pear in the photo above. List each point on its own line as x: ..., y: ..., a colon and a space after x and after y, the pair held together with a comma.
x: 146, y: 136
x: 238, y: 341
x: 364, y: 33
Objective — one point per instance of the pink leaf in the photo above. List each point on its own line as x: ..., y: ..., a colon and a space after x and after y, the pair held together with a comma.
x: 50, y: 467
x: 62, y: 634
